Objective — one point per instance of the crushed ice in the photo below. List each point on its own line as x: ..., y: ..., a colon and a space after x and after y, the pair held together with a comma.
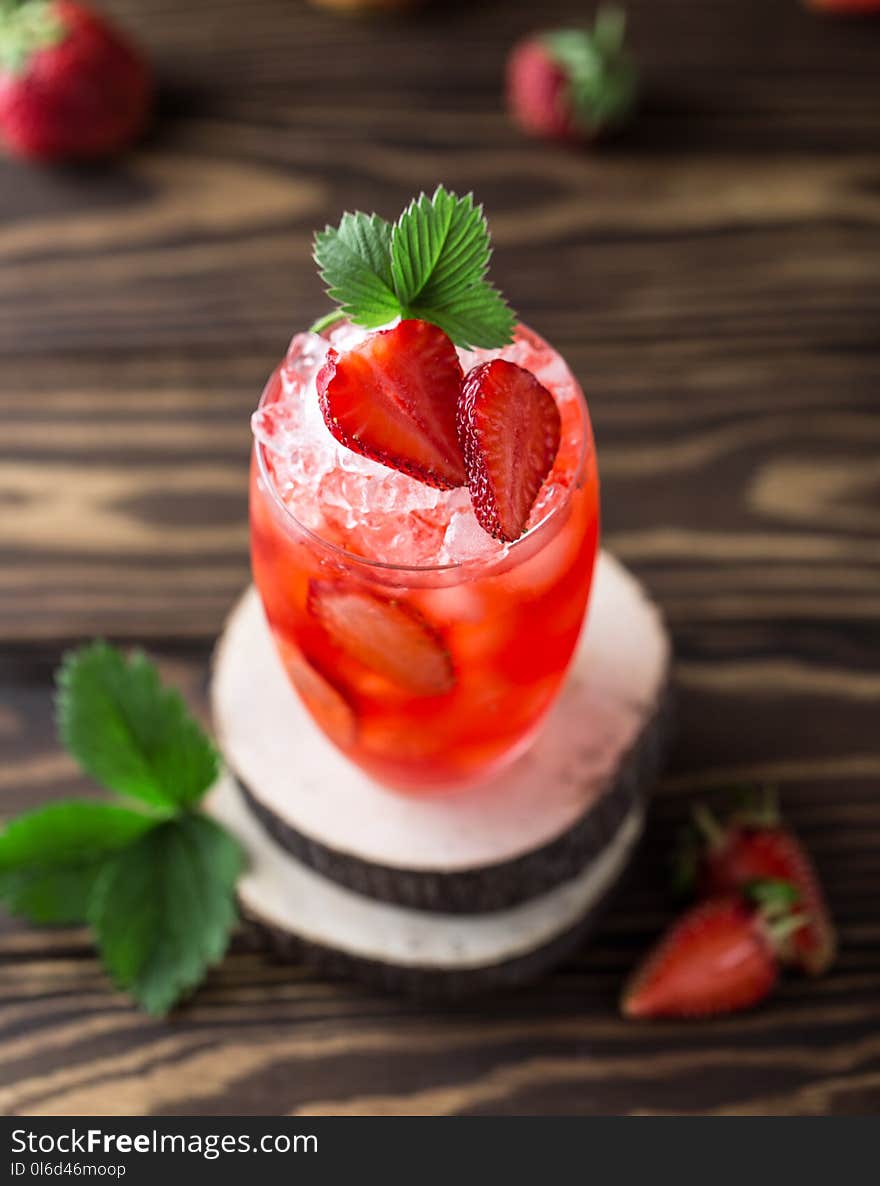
x: 384, y: 514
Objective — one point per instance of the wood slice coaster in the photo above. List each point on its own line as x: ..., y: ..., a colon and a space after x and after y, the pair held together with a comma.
x: 304, y: 916
x: 546, y: 823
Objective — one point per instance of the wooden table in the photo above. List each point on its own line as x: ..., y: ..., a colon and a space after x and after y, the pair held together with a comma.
x: 712, y: 277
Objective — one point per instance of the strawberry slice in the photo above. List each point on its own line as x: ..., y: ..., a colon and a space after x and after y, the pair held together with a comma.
x: 326, y: 704
x: 386, y: 636
x: 509, y: 428
x: 393, y: 399
x: 719, y: 957
x: 754, y: 845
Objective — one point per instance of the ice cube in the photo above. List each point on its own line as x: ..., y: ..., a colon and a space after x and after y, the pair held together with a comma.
x: 305, y: 355
x: 465, y: 539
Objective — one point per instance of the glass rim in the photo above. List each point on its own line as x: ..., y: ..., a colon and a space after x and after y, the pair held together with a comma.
x: 483, y: 562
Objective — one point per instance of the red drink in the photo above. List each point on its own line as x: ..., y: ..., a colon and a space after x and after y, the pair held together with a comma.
x: 426, y: 650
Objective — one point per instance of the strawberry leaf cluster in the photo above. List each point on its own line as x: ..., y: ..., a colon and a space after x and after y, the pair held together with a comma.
x: 153, y: 878
x: 430, y: 265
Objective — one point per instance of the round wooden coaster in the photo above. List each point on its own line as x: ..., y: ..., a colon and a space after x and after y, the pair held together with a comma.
x: 304, y: 916
x: 536, y: 826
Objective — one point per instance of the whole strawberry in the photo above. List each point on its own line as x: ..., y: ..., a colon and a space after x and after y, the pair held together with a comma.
x: 754, y: 844
x: 719, y: 957
x: 355, y: 6
x: 845, y: 7
x: 573, y: 84
x: 71, y: 86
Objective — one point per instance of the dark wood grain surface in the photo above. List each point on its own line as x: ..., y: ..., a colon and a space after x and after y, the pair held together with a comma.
x: 713, y: 279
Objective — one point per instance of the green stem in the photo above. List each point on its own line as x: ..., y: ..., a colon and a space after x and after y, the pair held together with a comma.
x: 327, y: 320
x: 610, y: 28
x: 759, y: 808
x: 780, y: 929
x: 770, y: 807
x: 708, y: 825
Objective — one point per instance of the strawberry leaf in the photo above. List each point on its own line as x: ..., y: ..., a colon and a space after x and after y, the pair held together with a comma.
x: 157, y: 887
x: 163, y: 909
x: 440, y: 252
x: 131, y: 734
x: 441, y: 242
x: 354, y: 260
x: 49, y: 858
x: 480, y: 317
x: 432, y: 265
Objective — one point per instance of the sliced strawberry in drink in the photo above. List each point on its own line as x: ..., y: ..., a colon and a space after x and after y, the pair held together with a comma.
x: 393, y: 399
x: 325, y: 702
x: 509, y: 429
x: 387, y: 637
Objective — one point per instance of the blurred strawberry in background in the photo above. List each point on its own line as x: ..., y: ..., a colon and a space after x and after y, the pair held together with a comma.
x: 72, y: 87
x: 844, y: 6
x: 365, y: 5
x: 573, y: 84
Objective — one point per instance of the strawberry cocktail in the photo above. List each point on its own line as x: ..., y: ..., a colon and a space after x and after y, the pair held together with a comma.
x: 424, y: 506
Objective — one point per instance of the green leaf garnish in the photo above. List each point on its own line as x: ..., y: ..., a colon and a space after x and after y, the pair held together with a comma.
x: 162, y: 910
x: 431, y: 264
x: 157, y: 884
x: 128, y: 732
x: 49, y: 858
x: 355, y: 264
x: 440, y: 247
x: 480, y: 319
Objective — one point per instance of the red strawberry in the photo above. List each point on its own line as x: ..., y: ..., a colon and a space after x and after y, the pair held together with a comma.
x: 393, y: 399
x: 537, y: 92
x: 754, y: 846
x: 364, y: 5
x: 509, y: 428
x: 845, y: 7
x: 720, y: 956
x: 71, y: 86
x: 385, y: 636
x: 572, y: 84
